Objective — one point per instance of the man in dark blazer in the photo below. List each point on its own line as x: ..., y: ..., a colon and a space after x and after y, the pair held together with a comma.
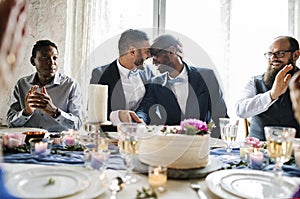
x: 126, y: 76
x: 179, y: 93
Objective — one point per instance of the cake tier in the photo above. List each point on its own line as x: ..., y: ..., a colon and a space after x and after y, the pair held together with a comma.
x: 175, y: 150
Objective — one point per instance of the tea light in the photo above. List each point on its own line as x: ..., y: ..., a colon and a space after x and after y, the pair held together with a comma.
x: 69, y: 140
x: 256, y: 159
x: 40, y: 148
x: 157, y: 177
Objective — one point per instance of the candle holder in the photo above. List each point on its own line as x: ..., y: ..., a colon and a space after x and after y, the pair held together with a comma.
x: 258, y: 159
x: 157, y: 177
x: 40, y: 146
x: 94, y: 159
x: 69, y: 139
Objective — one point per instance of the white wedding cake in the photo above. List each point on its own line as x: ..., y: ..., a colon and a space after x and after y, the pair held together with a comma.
x: 177, y: 151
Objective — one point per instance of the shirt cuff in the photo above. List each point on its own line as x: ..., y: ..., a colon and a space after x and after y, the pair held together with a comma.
x: 114, y: 118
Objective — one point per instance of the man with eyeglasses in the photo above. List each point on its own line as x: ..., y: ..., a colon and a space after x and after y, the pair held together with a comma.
x: 265, y: 98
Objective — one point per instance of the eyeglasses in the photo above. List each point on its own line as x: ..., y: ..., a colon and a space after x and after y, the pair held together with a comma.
x: 278, y: 54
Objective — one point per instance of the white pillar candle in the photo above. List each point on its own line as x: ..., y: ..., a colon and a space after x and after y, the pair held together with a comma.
x: 256, y: 159
x: 97, y: 103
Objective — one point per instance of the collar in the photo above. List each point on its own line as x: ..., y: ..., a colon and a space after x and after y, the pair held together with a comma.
x: 182, y: 77
x: 34, y: 79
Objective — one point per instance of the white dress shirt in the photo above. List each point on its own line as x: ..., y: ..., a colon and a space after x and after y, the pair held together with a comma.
x: 250, y: 103
x: 181, y: 89
x: 134, y: 91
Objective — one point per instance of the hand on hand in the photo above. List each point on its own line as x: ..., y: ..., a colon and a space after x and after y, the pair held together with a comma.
x: 281, y: 82
x: 40, y: 100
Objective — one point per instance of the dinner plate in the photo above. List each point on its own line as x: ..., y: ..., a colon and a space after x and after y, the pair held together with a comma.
x: 21, y: 130
x: 240, y: 183
x: 264, y: 184
x: 97, y: 186
x: 34, y: 183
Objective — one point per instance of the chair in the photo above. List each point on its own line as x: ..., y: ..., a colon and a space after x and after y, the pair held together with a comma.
x: 246, y: 125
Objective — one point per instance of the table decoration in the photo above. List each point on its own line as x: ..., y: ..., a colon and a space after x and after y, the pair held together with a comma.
x: 179, y: 147
x: 157, y: 177
x: 40, y: 146
x: 12, y: 140
x: 146, y: 193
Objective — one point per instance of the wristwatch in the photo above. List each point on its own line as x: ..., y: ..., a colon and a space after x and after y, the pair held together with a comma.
x: 57, y: 114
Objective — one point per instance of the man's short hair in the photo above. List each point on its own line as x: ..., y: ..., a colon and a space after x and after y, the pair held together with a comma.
x: 40, y: 44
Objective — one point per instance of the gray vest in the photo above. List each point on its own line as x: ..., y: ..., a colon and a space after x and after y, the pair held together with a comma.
x: 279, y: 114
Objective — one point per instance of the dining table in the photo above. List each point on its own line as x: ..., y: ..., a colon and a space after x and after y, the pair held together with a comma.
x: 20, y: 168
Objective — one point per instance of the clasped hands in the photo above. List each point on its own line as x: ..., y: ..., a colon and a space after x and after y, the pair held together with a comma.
x: 39, y: 100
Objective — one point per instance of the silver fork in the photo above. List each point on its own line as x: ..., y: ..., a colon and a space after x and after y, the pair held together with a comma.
x: 197, y: 188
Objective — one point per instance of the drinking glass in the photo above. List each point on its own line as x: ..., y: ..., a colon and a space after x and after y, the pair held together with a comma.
x: 280, y: 145
x: 129, y: 147
x: 228, y: 130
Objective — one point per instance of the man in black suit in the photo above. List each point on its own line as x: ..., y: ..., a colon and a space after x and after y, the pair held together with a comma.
x: 126, y: 76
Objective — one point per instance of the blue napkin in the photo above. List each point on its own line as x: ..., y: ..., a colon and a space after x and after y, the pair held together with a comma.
x: 70, y: 158
x: 289, y: 170
x: 228, y: 158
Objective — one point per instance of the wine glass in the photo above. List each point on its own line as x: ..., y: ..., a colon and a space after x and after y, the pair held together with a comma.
x: 129, y: 147
x: 228, y: 129
x: 280, y: 145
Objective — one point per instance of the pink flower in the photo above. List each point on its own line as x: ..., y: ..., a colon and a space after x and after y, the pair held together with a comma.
x: 11, y: 140
x: 193, y: 126
x: 254, y: 142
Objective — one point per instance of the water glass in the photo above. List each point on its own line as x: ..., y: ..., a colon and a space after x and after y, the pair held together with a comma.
x: 228, y: 130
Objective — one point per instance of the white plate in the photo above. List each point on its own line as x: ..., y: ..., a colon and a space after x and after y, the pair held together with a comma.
x: 97, y: 186
x: 213, y: 182
x: 32, y: 183
x: 264, y: 184
x: 21, y: 130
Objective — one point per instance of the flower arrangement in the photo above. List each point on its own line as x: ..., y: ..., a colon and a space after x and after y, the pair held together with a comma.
x: 191, y: 127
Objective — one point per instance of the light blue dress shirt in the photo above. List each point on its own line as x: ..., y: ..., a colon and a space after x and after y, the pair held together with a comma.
x: 65, y: 93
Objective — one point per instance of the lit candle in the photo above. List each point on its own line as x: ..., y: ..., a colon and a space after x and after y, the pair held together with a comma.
x: 40, y: 148
x: 157, y: 177
x: 256, y: 159
x: 69, y: 140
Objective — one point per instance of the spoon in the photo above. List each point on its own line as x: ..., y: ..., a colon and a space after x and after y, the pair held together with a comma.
x: 197, y: 188
x: 116, y: 185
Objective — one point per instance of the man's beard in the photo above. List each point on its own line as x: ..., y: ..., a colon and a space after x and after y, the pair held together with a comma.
x: 139, y: 62
x: 270, y: 74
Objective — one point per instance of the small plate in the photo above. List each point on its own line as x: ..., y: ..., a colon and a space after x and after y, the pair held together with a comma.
x: 215, y: 182
x: 32, y: 183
